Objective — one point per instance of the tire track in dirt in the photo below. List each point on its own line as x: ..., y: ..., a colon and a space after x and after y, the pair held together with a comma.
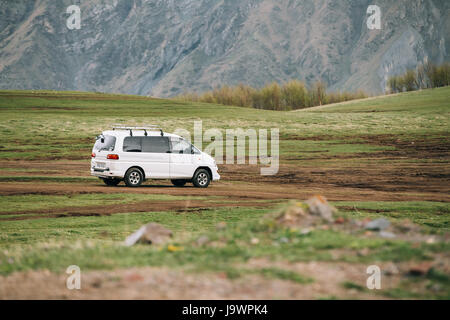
x: 106, y: 210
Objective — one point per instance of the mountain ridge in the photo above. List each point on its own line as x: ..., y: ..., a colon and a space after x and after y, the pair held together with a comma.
x: 163, y: 48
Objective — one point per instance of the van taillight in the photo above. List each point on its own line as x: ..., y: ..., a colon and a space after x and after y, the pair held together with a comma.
x: 112, y: 157
x: 93, y: 155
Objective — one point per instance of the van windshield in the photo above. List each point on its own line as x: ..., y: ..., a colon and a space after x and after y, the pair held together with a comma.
x: 105, y: 142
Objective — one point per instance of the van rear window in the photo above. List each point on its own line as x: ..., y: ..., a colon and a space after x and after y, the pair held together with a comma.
x: 105, y: 142
x: 146, y: 144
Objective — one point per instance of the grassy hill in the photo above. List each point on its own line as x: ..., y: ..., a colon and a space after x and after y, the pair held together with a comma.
x: 423, y: 101
x: 73, y: 118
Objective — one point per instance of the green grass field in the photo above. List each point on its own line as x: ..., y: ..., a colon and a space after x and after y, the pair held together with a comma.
x: 380, y: 157
x: 63, y: 124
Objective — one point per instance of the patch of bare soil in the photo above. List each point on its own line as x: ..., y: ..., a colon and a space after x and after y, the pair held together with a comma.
x: 45, y: 168
x: 233, y: 191
x: 143, y: 206
x: 162, y: 283
x: 363, y: 179
x: 401, y: 170
x: 413, y: 148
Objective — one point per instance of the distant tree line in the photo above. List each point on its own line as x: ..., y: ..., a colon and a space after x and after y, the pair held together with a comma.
x: 291, y: 95
x: 426, y: 75
x: 295, y: 94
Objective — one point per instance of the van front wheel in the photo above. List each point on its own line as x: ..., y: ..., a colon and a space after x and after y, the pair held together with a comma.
x: 201, y: 179
x: 134, y: 178
x: 179, y: 183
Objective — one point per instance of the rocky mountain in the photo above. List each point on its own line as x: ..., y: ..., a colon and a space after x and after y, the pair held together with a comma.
x: 164, y: 47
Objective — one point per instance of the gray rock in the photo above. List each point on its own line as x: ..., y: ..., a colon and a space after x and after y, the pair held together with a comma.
x: 391, y: 269
x: 221, y: 226
x: 386, y: 234
x: 283, y: 240
x: 305, y: 231
x: 152, y: 233
x: 319, y: 206
x: 378, y: 224
x: 202, y: 240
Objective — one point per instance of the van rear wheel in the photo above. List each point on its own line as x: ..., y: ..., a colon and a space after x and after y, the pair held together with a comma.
x: 179, y: 183
x: 134, y: 178
x: 111, y: 182
x: 201, y: 179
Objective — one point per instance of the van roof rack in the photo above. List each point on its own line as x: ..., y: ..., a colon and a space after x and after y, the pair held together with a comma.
x: 151, y: 127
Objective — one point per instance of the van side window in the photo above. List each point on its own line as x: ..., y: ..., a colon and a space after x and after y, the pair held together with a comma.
x: 132, y: 144
x: 155, y: 144
x: 146, y: 144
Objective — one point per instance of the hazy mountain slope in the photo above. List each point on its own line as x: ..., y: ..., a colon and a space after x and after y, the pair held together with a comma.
x: 164, y: 47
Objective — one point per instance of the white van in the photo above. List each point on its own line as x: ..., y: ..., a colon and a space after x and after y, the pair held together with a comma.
x: 134, y: 154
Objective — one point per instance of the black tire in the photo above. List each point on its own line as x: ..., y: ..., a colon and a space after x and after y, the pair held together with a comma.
x: 134, y: 178
x: 201, y: 179
x: 111, y: 182
x: 179, y: 183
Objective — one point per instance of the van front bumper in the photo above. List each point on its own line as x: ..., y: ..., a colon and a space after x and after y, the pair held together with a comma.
x: 215, y: 176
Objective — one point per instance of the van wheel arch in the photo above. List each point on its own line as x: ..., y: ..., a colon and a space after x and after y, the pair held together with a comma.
x: 207, y: 169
